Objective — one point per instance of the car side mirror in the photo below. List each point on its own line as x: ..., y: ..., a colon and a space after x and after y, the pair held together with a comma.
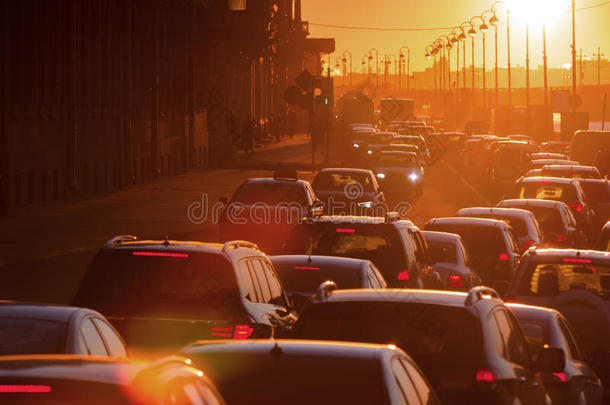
x: 223, y: 200
x: 550, y: 360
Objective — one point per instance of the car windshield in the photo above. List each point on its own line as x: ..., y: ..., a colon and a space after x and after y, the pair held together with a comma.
x: 441, y: 339
x: 311, y: 379
x: 270, y: 193
x: 396, y: 160
x: 307, y: 278
x: 482, y: 241
x: 596, y: 192
x: 550, y: 279
x: 342, y: 181
x: 160, y: 284
x: 546, y: 190
x: 31, y: 336
x: 549, y: 218
x: 444, y: 252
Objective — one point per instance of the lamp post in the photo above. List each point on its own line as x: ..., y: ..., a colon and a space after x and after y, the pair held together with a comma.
x: 573, y: 55
x: 546, y: 82
x: 472, y: 32
x: 376, y: 64
x: 462, y: 38
x: 510, y: 86
x: 445, y: 41
x: 431, y: 51
x: 363, y: 63
x: 483, y: 28
x: 527, y: 65
x: 493, y: 20
x: 456, y: 42
x: 390, y: 57
x: 408, y: 66
x: 349, y: 53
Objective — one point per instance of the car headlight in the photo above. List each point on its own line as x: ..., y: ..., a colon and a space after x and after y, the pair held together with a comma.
x: 413, y: 177
x: 356, y: 145
x: 380, y: 175
x: 370, y: 152
x: 366, y: 204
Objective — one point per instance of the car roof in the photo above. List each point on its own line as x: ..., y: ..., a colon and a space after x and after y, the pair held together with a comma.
x: 533, y: 202
x: 292, y: 348
x: 344, y: 170
x: 548, y: 179
x: 397, y: 152
x: 441, y: 236
x: 469, y: 221
x: 327, y: 261
x: 512, y: 212
x: 270, y: 180
x: 413, y: 296
x: 170, y: 246
x: 355, y: 220
x: 46, y: 312
x: 570, y: 167
x: 553, y: 161
x: 540, y: 314
x: 598, y: 257
x: 81, y: 368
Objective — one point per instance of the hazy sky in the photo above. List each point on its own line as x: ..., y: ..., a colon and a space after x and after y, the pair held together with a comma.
x: 593, y: 28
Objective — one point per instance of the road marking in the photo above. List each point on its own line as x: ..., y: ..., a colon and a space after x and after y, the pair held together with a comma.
x: 467, y: 184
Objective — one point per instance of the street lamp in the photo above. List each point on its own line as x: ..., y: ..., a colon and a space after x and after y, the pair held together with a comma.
x: 376, y: 64
x: 472, y: 33
x: 493, y: 20
x: 455, y: 40
x: 408, y: 65
x: 390, y: 57
x: 484, y: 28
x: 349, y: 53
x: 462, y: 37
x: 495, y: 11
x: 431, y: 51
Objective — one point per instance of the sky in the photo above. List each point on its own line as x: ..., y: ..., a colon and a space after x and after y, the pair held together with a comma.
x: 592, y: 28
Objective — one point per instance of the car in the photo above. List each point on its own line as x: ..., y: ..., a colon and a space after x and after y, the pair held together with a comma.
x: 346, y: 191
x: 523, y: 223
x: 266, y: 210
x: 577, y: 383
x: 556, y: 146
x: 523, y: 138
x: 76, y: 380
x: 493, y: 249
x: 568, y: 191
x: 577, y: 284
x: 468, y: 344
x: 548, y: 155
x: 301, y: 275
x: 597, y: 194
x: 586, y: 144
x: 570, y: 172
x: 35, y: 328
x: 450, y: 259
x: 416, y: 140
x: 556, y: 220
x: 398, y: 147
x: 602, y: 161
x: 163, y: 294
x: 400, y: 174
x: 540, y: 163
x: 509, y: 161
x: 311, y: 372
x: 396, y: 246
x: 603, y: 241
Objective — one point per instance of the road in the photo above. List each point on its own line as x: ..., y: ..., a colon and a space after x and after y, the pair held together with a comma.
x: 45, y: 250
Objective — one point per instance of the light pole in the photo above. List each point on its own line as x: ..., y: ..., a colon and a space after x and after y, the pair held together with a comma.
x: 483, y: 28
x: 349, y: 53
x: 462, y: 38
x: 527, y: 65
x: 390, y: 57
x: 431, y: 51
x: 472, y: 32
x: 573, y: 55
x: 546, y: 82
x: 493, y: 20
x: 456, y: 42
x: 408, y: 66
x: 446, y: 44
x: 599, y: 65
x: 510, y: 85
x: 376, y: 64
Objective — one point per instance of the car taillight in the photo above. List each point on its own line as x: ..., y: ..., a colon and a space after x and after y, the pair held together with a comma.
x: 562, y: 376
x: 578, y: 207
x: 485, y: 375
x: 403, y: 275
x: 503, y: 257
x: 239, y: 332
x: 573, y: 260
x: 526, y: 245
x: 561, y: 238
x: 12, y: 389
x: 456, y: 281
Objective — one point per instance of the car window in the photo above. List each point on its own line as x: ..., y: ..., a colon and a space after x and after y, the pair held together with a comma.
x: 259, y: 273
x: 423, y: 388
x: 568, y: 337
x: 277, y: 296
x: 550, y: 279
x: 404, y: 382
x: 514, y: 347
x: 442, y: 252
x: 373, y: 283
x: 270, y: 193
x: 247, y: 282
x: 409, y: 245
x: 113, y: 342
x: 378, y: 276
x: 32, y: 336
x: 95, y: 344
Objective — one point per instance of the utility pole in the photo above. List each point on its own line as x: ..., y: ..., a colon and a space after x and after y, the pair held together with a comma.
x: 574, y: 55
x: 599, y: 66
x: 582, y: 73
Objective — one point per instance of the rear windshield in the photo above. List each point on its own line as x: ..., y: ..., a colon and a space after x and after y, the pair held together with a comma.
x: 570, y: 174
x: 269, y: 380
x: 31, y: 336
x: 442, y: 252
x: 596, y: 192
x: 549, y: 218
x: 187, y: 285
x: 431, y: 334
x: 297, y: 278
x: 341, y: 181
x: 396, y: 160
x: 271, y: 193
x: 548, y: 191
x: 357, y: 242
x: 482, y: 241
x: 550, y: 279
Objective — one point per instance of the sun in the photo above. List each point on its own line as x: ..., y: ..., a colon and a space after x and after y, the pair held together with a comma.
x: 538, y: 12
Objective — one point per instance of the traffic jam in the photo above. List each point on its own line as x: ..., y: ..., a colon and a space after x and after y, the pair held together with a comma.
x: 325, y: 292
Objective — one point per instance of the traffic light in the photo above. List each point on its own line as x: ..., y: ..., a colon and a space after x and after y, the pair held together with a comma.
x: 324, y: 92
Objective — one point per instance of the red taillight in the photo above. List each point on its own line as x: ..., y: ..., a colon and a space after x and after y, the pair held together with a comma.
x: 222, y: 332
x: 578, y: 207
x: 455, y: 281
x: 346, y: 230
x: 526, y: 245
x: 503, y: 257
x: 160, y: 254
x: 11, y: 389
x: 239, y: 332
x: 562, y: 376
x: 485, y: 375
x: 306, y: 268
x: 403, y: 275
x: 571, y: 260
x: 561, y: 238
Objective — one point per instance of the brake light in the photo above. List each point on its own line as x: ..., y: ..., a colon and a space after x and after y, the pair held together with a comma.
x: 160, y: 254
x: 562, y: 376
x: 561, y: 238
x: 455, y: 280
x: 346, y: 230
x: 403, y: 275
x: 222, y: 332
x: 484, y: 375
x: 306, y: 268
x: 503, y: 257
x: 571, y: 260
x: 526, y: 245
x: 11, y: 389
x: 578, y: 207
x: 239, y: 332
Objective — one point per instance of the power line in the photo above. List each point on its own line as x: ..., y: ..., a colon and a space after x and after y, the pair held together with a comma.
x: 350, y: 27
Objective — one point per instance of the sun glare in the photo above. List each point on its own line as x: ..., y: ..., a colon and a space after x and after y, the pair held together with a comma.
x: 538, y: 12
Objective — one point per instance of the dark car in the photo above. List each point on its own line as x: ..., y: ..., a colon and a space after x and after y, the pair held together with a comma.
x: 397, y: 247
x: 492, y: 246
x: 29, y: 328
x: 301, y: 275
x: 523, y: 223
x: 577, y: 383
x: 451, y: 260
x: 416, y: 140
x: 299, y: 372
x: 77, y: 380
x: 267, y: 210
x: 468, y: 344
x: 160, y: 295
x: 349, y: 192
x: 577, y: 284
x: 556, y: 221
x: 586, y: 144
x: 540, y: 163
x: 400, y: 174
x: 597, y: 194
x: 602, y: 161
x: 568, y: 191
x: 510, y: 161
